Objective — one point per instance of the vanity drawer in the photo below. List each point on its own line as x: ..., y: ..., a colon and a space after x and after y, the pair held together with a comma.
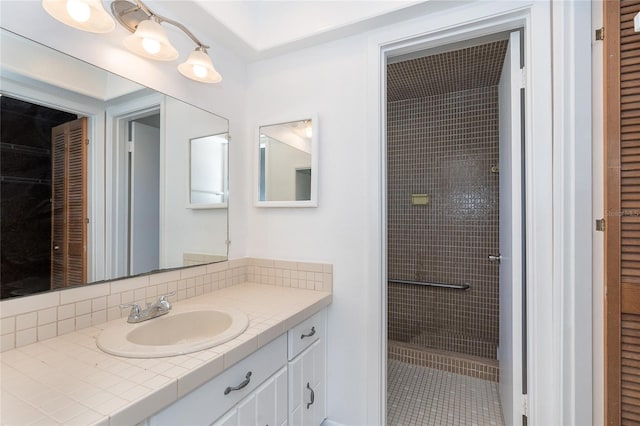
x: 207, y: 403
x: 308, y: 331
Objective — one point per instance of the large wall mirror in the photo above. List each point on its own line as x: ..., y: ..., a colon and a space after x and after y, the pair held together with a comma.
x: 97, y: 178
x: 287, y: 164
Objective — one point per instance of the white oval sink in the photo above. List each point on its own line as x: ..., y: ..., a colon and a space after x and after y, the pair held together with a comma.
x: 184, y: 330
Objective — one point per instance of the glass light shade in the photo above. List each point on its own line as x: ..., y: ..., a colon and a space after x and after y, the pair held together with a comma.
x: 150, y: 41
x: 199, y: 67
x: 85, y: 15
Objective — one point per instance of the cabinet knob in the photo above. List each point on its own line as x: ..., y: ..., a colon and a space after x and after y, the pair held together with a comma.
x: 313, y: 396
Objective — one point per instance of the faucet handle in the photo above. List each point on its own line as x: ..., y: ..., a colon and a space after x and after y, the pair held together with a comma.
x: 163, y: 298
x: 164, y: 301
x: 135, y: 308
x: 135, y: 313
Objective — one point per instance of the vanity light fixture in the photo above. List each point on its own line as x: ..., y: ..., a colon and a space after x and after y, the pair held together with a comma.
x: 199, y: 67
x: 150, y: 41
x: 85, y: 15
x: 148, y: 38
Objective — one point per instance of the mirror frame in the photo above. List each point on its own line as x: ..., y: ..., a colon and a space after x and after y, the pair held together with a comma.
x: 313, y: 202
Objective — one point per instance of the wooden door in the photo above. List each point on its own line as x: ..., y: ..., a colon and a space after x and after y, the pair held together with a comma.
x: 69, y: 206
x: 622, y: 204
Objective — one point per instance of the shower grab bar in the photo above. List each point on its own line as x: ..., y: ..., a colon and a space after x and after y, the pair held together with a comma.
x: 464, y: 286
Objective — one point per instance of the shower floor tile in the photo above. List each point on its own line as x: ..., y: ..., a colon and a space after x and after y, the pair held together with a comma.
x: 424, y: 396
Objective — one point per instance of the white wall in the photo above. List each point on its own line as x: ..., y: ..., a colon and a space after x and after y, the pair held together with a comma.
x: 328, y: 79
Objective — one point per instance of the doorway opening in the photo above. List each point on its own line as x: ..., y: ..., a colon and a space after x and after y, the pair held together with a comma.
x: 455, y: 234
x: 144, y: 194
x: 137, y: 172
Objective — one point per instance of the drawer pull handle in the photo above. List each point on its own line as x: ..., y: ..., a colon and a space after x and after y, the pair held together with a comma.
x: 309, y: 334
x: 244, y: 383
x: 313, y: 396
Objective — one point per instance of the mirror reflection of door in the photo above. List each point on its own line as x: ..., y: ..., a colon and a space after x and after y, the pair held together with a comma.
x: 69, y: 206
x: 26, y: 195
x: 144, y: 196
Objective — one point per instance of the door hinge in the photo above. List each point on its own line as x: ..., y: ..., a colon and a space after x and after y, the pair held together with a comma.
x: 600, y: 34
x: 87, y: 141
x: 87, y: 220
x: 525, y: 404
x: 601, y: 225
x: 524, y: 77
x: 130, y: 146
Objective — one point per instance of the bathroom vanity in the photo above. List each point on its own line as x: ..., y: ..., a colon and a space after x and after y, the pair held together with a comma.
x: 281, y: 383
x: 273, y: 373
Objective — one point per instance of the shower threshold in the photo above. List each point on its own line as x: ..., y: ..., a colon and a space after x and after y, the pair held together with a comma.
x: 452, y: 362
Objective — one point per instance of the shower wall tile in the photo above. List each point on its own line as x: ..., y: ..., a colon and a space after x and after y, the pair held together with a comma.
x: 444, y: 146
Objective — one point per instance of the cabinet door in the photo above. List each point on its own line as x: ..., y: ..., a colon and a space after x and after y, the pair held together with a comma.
x: 266, y: 406
x: 229, y: 419
x: 247, y: 411
x: 271, y: 401
x: 307, y: 387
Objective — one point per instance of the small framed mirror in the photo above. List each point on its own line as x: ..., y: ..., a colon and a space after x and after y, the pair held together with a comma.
x: 208, y: 167
x: 287, y: 163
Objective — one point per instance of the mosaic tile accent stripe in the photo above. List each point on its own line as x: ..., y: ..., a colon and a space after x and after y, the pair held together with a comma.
x: 444, y: 146
x: 455, y: 71
x: 480, y: 368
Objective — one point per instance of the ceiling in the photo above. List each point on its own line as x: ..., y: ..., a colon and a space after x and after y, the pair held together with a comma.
x: 447, y: 72
x: 262, y: 28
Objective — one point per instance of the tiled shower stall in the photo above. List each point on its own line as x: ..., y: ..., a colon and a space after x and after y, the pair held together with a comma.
x: 442, y: 136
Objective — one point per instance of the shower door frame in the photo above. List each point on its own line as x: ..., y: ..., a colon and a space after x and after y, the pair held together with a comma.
x: 554, y: 396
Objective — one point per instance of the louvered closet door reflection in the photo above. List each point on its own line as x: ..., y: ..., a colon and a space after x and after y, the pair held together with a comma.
x: 622, y: 247
x: 69, y: 210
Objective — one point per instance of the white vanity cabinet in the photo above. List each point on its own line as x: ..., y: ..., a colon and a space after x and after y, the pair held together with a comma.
x: 210, y: 401
x: 307, y: 372
x: 267, y: 406
x: 282, y: 383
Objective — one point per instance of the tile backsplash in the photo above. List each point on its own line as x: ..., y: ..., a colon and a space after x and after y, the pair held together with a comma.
x: 29, y: 319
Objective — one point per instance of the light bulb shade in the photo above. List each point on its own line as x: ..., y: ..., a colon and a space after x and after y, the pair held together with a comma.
x: 150, y: 41
x: 85, y: 15
x: 199, y: 67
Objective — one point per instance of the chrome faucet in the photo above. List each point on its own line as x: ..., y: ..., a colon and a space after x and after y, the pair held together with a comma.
x: 137, y: 314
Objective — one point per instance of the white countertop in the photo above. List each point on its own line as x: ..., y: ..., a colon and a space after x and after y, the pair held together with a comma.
x: 68, y: 380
